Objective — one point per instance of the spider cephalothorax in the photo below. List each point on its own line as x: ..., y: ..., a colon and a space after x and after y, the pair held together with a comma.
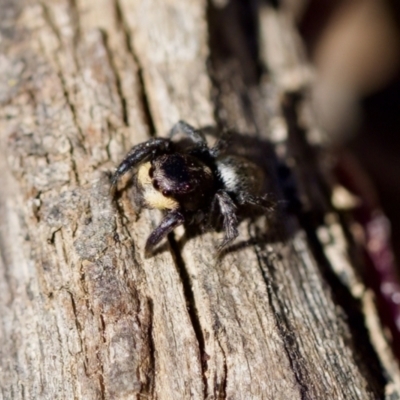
x: 188, y: 180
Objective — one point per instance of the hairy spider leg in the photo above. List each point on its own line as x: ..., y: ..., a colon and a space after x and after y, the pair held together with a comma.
x: 222, y: 144
x: 173, y: 219
x: 244, y: 198
x: 198, y: 138
x: 139, y: 154
x: 195, y: 135
x: 230, y: 222
x: 201, y: 149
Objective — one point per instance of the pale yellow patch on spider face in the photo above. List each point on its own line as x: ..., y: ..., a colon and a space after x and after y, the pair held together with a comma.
x: 152, y: 197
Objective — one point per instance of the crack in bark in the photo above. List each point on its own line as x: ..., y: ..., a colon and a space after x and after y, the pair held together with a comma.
x: 78, y: 324
x: 283, y: 326
x: 101, y: 373
x: 70, y: 104
x: 192, y: 309
x: 142, y: 86
x: 150, y: 387
x: 222, y: 387
x: 50, y: 22
x: 75, y: 22
x: 118, y: 84
x: 53, y: 26
x: 78, y: 328
x: 74, y: 166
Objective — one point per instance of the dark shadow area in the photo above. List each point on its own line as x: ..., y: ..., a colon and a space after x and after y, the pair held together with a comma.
x: 377, y: 146
x: 233, y: 34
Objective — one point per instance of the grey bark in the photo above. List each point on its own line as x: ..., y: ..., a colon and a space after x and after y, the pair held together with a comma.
x: 84, y: 315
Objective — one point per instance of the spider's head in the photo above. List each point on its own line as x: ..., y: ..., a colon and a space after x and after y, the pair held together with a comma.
x: 176, y: 179
x: 174, y: 174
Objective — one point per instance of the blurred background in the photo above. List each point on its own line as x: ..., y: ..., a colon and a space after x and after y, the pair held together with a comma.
x: 355, y: 46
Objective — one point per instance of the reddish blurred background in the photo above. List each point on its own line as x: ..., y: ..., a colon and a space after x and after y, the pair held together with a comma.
x: 355, y: 46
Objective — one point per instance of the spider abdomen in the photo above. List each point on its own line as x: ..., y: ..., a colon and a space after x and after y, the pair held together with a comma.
x: 238, y: 174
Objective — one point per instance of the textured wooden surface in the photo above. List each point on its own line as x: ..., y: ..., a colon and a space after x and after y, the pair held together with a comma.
x: 83, y: 314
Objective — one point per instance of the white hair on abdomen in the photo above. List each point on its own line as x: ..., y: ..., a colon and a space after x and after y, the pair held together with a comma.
x: 228, y: 176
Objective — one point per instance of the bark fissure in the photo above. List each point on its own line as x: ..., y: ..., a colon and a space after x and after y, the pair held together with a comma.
x: 75, y: 21
x: 53, y: 26
x: 51, y: 23
x: 192, y: 309
x: 101, y: 371
x: 283, y: 325
x: 77, y: 323
x: 142, y: 85
x: 148, y: 390
x: 223, y: 383
x: 118, y: 84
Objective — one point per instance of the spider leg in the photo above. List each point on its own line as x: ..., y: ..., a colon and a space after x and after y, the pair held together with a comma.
x: 173, y: 219
x: 182, y: 127
x: 244, y: 198
x: 221, y: 145
x: 138, y: 154
x: 230, y: 222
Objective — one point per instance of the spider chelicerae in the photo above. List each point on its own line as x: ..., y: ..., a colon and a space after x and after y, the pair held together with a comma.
x: 190, y: 181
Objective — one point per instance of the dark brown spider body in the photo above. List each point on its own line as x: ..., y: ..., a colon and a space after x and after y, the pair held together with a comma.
x: 188, y: 180
x: 184, y: 178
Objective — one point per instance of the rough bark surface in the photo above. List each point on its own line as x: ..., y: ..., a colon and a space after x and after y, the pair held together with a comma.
x: 84, y: 315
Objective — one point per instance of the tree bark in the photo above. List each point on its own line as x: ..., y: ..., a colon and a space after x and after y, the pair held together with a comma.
x: 84, y: 315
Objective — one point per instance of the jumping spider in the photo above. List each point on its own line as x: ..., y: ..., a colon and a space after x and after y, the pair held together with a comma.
x: 187, y: 179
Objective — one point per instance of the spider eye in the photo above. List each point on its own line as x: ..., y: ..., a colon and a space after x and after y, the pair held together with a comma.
x: 166, y: 192
x: 151, y: 172
x: 156, y: 185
